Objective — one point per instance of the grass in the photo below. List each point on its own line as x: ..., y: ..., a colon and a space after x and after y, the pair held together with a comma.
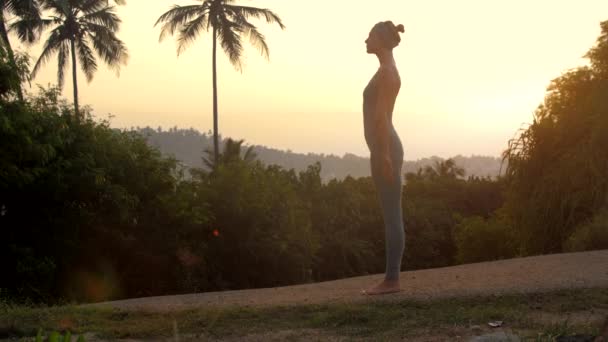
x: 366, y: 320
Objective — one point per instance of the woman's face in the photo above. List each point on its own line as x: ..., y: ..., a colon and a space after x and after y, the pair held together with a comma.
x: 373, y: 42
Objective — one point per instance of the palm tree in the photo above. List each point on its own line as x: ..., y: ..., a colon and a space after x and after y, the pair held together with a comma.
x: 232, y: 154
x: 229, y: 23
x: 446, y: 169
x: 28, y: 13
x: 78, y: 25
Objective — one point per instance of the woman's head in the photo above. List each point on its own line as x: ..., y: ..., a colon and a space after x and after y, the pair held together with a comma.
x: 384, y: 35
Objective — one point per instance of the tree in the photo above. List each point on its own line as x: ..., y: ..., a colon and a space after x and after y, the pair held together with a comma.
x: 444, y: 169
x: 28, y: 14
x: 557, y: 167
x: 78, y: 25
x: 232, y: 153
x: 598, y: 55
x: 228, y: 23
x: 8, y: 76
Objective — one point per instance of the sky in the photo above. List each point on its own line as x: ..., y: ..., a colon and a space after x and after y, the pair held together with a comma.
x: 472, y: 71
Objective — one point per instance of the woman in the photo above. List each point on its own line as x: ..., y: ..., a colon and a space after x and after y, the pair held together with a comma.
x: 386, y: 151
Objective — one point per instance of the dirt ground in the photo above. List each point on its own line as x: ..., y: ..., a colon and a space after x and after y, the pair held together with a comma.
x: 521, y: 275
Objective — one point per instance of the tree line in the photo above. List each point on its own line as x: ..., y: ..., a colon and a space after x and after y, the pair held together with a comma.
x: 91, y: 213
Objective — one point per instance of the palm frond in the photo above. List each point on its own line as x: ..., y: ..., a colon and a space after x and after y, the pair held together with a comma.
x: 189, y: 32
x: 26, y: 29
x: 111, y: 49
x: 104, y: 17
x: 229, y: 35
x: 92, y: 6
x: 179, y: 16
x: 250, y: 155
x: 209, y: 161
x: 87, y: 60
x: 19, y: 6
x: 59, y: 7
x: 232, y: 151
x: 51, y: 46
x: 255, y: 37
x: 22, y: 8
x: 7, y: 6
x: 255, y: 12
x: 28, y: 25
x: 62, y: 58
x: 75, y: 4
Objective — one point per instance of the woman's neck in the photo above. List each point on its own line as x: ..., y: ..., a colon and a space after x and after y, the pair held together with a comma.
x: 386, y: 58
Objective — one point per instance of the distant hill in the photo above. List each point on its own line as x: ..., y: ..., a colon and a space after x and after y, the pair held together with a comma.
x: 187, y: 145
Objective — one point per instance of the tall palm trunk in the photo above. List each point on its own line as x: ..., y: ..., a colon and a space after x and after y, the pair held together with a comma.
x: 216, y: 148
x: 9, y: 49
x: 75, y: 80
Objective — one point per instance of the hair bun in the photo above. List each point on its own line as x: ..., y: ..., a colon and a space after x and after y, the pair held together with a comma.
x: 400, y: 28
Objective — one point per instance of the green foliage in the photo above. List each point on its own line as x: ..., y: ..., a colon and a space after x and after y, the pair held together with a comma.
x: 559, y: 330
x: 14, y: 73
x: 592, y: 235
x: 478, y: 239
x: 435, y: 200
x: 55, y: 336
x: 259, y: 223
x: 27, y: 28
x: 598, y: 55
x: 85, y: 207
x: 9, y: 76
x: 347, y: 218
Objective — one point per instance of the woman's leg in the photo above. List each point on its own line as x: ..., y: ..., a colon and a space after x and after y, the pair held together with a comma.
x: 390, y: 200
x: 389, y: 195
x: 393, y: 226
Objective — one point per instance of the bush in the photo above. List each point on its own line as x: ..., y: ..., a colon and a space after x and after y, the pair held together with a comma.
x: 85, y: 209
x: 478, y: 239
x: 592, y: 235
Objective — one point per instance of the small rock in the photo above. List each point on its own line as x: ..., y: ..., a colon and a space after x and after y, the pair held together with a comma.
x: 496, y: 324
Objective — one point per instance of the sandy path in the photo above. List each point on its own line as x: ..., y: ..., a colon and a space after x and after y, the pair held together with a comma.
x: 521, y: 275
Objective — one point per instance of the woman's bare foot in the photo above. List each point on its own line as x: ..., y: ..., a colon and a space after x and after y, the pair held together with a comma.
x: 386, y: 286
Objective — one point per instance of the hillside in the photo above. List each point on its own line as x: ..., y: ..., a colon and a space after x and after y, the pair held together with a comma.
x: 188, y: 146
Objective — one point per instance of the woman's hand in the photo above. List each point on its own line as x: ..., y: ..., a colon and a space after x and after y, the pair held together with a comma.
x: 387, y: 168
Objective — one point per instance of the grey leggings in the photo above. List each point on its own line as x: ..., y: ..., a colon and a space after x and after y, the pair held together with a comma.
x: 389, y: 195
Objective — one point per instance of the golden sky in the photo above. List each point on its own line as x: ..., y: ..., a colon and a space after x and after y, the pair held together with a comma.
x: 472, y: 71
